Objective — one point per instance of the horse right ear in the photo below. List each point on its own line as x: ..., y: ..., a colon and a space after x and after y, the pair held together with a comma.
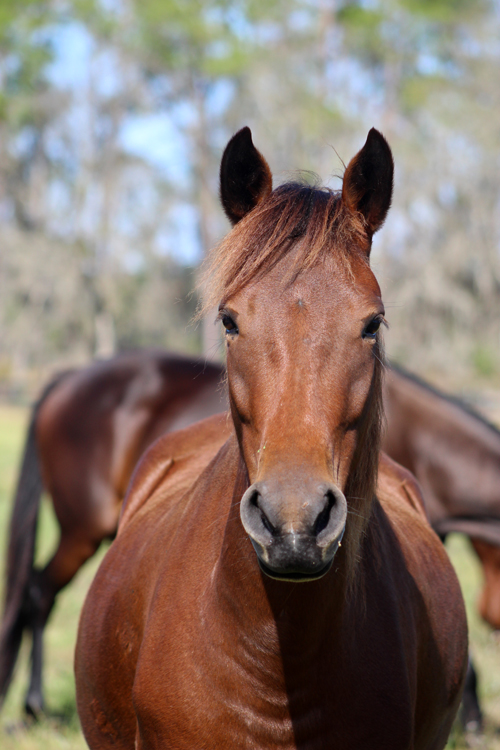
x: 245, y: 177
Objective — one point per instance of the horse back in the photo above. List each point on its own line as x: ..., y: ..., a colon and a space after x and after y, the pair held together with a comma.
x: 93, y: 427
x: 453, y: 451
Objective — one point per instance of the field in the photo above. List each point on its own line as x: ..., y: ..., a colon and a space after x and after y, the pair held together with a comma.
x: 61, y: 729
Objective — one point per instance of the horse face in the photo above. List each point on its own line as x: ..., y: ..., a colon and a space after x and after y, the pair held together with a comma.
x: 301, y: 356
x: 300, y: 364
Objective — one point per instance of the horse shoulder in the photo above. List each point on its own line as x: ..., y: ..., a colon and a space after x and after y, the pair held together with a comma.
x: 126, y: 628
x: 425, y: 556
x: 172, y: 462
x: 120, y: 600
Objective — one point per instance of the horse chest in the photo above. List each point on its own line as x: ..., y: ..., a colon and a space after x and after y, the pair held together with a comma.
x: 226, y: 721
x: 208, y: 698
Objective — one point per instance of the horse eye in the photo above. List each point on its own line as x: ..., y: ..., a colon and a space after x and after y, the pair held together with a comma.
x: 371, y: 329
x: 229, y: 324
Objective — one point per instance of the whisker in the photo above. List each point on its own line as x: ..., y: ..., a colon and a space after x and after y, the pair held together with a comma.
x: 353, y: 513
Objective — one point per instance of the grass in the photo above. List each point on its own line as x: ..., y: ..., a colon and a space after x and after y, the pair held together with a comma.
x: 61, y: 728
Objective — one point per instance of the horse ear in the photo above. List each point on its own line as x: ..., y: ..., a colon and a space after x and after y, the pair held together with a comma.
x: 368, y: 180
x: 245, y: 177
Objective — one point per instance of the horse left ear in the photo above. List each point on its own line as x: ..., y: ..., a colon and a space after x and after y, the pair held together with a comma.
x: 368, y: 180
x: 245, y: 177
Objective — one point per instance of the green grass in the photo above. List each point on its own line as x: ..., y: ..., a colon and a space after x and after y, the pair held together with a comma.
x: 61, y: 728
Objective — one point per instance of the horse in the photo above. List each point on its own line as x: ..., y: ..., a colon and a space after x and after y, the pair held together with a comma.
x: 455, y: 454
x: 86, y: 433
x: 275, y: 581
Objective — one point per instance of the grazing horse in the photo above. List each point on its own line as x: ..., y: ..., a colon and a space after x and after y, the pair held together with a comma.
x: 274, y: 581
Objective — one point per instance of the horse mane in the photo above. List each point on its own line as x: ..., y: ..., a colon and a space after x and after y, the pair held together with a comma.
x: 292, y: 212
x: 361, y: 486
x: 315, y: 223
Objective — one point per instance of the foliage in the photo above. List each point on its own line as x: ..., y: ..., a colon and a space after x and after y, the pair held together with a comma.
x: 97, y: 226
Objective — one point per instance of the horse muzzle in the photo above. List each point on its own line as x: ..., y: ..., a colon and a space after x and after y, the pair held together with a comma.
x: 295, y: 540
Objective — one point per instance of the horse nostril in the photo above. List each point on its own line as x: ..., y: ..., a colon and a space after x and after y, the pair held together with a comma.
x: 267, y: 524
x: 324, y: 517
x: 254, y: 500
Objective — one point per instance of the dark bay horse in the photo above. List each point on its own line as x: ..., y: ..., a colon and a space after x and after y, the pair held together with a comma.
x: 86, y: 434
x: 274, y: 582
x: 455, y: 454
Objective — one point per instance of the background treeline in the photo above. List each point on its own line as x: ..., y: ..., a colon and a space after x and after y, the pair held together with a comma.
x: 113, y: 117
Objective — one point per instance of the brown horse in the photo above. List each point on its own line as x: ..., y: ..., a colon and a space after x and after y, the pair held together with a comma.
x: 265, y: 590
x: 86, y: 434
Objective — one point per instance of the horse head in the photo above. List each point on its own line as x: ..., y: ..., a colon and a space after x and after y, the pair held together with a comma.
x: 301, y: 310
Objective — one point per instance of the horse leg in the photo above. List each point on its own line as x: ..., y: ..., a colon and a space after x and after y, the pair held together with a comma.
x: 471, y: 714
x: 34, y: 703
x: 44, y: 586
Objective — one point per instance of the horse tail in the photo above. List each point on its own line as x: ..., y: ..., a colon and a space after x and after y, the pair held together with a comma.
x: 21, y: 548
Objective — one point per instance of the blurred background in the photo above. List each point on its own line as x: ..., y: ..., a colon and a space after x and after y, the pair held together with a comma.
x: 113, y: 118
